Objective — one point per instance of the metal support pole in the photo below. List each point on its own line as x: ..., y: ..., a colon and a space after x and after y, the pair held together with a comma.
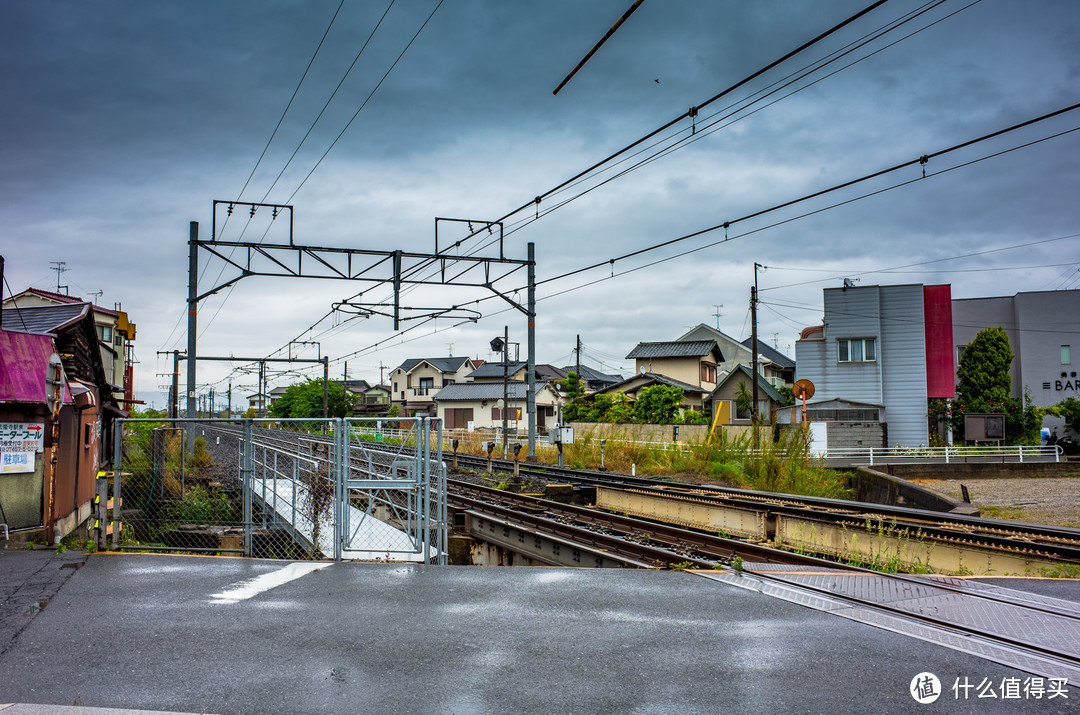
x: 247, y: 471
x: 506, y: 386
x: 174, y: 403
x: 326, y: 388
x: 118, y: 440
x: 397, y: 287
x: 530, y: 397
x: 192, y: 324
x: 754, y: 418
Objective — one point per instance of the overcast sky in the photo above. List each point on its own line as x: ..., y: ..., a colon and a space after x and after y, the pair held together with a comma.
x: 123, y: 121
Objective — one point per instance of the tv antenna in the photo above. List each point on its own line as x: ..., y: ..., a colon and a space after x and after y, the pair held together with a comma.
x: 718, y: 313
x: 58, y: 266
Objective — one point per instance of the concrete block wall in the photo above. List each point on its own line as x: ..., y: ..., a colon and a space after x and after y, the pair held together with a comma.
x: 856, y: 434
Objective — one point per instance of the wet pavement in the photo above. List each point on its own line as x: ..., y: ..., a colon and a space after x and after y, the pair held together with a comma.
x: 224, y: 635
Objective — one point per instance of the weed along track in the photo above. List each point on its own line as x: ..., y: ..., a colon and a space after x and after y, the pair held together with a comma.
x: 632, y: 521
x: 882, y: 537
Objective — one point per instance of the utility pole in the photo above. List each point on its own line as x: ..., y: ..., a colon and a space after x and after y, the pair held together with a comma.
x: 211, y: 410
x: 381, y: 368
x: 228, y: 412
x: 577, y: 353
x: 506, y: 385
x: 530, y: 316
x: 754, y: 353
x: 260, y: 399
x: 325, y: 387
x: 193, y: 305
x: 174, y: 399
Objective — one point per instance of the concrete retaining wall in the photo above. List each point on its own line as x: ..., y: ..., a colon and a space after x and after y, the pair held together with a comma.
x: 982, y: 470
x: 877, y: 487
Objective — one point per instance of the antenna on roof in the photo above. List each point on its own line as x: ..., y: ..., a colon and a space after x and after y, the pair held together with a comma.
x: 58, y: 266
x: 718, y: 314
x: 450, y: 349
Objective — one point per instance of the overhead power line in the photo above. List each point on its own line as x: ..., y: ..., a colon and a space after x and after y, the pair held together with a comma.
x: 289, y: 104
x: 363, y: 104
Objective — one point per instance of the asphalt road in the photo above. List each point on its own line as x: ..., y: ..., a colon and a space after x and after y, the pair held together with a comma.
x: 234, y: 636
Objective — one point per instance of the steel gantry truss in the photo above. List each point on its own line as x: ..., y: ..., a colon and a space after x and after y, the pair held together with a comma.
x: 398, y: 269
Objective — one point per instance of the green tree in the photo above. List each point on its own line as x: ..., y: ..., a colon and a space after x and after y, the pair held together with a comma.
x: 658, y: 404
x: 985, y: 386
x: 305, y: 399
x: 744, y: 400
x: 574, y: 390
x: 1069, y: 410
x: 787, y: 394
x: 983, y: 373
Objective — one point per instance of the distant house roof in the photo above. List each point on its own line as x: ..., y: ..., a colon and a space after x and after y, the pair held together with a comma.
x: 472, y: 391
x: 44, y: 319
x: 356, y: 385
x: 23, y: 361
x: 495, y: 369
x: 279, y: 390
x: 381, y: 388
x: 61, y: 298
x: 653, y: 378
x: 443, y: 364
x: 771, y: 353
x: 550, y: 372
x: 743, y: 372
x: 674, y: 349
x: 590, y: 375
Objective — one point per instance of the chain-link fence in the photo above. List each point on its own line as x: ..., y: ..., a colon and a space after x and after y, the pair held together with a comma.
x: 280, y: 489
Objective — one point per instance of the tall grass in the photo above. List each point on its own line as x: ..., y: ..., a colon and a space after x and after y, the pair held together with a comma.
x: 784, y: 465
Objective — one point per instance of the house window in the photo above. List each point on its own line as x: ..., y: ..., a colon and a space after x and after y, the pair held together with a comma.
x: 708, y: 373
x: 960, y: 352
x: 105, y: 333
x: 856, y: 350
x: 1066, y: 355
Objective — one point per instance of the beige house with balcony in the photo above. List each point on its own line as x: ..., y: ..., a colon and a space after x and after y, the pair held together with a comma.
x: 115, y: 332
x: 690, y: 365
x: 414, y: 382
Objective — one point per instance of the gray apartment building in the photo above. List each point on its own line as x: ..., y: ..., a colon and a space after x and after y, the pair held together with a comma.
x: 1044, y: 332
x: 880, y: 354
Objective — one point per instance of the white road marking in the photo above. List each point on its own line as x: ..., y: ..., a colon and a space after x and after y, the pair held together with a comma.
x: 253, y: 587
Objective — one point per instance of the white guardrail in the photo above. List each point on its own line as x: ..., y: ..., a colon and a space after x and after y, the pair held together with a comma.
x: 882, y: 455
x: 865, y: 455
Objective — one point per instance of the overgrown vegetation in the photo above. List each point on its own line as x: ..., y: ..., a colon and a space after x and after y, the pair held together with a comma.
x: 780, y: 465
x: 984, y: 386
x: 656, y: 404
x: 305, y: 399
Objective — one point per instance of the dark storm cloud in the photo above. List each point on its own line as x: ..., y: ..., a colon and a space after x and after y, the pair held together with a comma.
x: 123, y: 121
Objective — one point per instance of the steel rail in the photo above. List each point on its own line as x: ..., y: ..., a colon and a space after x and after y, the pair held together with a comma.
x: 719, y: 548
x: 823, y: 506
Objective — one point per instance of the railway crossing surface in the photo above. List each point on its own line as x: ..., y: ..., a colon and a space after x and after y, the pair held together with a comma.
x: 230, y: 635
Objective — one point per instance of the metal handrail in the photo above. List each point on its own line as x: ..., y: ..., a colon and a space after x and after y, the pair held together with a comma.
x: 946, y: 454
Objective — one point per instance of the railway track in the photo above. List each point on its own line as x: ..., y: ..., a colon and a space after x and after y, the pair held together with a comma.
x: 656, y: 544
x: 1022, y: 545
x: 1051, y: 542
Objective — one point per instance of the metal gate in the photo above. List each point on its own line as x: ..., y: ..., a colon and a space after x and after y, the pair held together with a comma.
x: 330, y: 489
